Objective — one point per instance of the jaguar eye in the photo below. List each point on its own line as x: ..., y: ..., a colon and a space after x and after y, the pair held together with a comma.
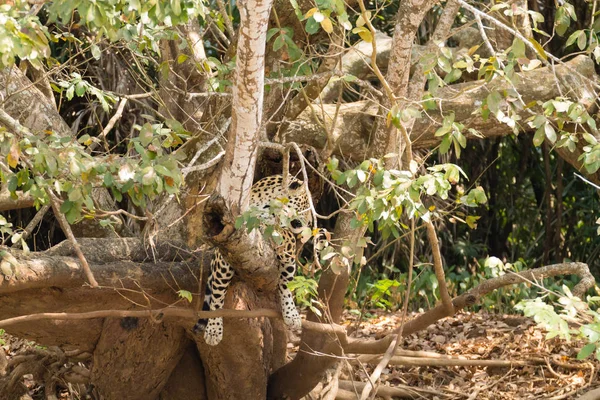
x: 294, y: 185
x: 296, y: 224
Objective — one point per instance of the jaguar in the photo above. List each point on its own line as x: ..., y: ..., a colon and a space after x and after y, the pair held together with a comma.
x: 294, y: 201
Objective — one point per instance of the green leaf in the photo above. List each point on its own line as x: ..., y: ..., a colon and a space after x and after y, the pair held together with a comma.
x: 538, y: 47
x: 453, y: 76
x: 582, y: 40
x: 176, y: 7
x: 278, y: 44
x: 182, y: 58
x: 586, y: 351
x: 66, y: 206
x: 146, y: 134
x: 184, y: 294
x: 572, y: 38
x: 539, y: 136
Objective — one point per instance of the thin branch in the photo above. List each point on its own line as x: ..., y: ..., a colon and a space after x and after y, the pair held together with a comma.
x: 64, y: 224
x: 214, y: 161
x: 31, y: 225
x: 439, y: 268
x: 187, y: 314
x: 226, y: 19
x: 388, y: 90
x: 111, y: 123
x: 439, y: 362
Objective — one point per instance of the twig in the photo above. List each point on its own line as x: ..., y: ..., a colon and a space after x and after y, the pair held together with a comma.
x: 587, y: 181
x: 31, y: 225
x: 214, y: 161
x: 226, y: 19
x: 64, y: 224
x: 111, y: 122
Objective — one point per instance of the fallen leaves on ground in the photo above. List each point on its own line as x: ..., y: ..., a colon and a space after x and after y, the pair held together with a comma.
x: 480, y: 336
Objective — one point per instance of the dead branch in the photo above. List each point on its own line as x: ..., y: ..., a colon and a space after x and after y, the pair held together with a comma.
x: 396, y: 391
x: 439, y: 268
x: 437, y: 362
x: 593, y: 394
x: 64, y: 224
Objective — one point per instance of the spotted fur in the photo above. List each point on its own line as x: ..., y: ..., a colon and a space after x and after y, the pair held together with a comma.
x: 261, y: 195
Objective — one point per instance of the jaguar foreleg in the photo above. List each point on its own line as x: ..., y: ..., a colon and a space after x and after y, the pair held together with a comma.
x: 218, y: 282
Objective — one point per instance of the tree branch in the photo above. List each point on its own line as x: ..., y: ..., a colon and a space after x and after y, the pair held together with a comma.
x: 355, y: 120
x: 8, y: 203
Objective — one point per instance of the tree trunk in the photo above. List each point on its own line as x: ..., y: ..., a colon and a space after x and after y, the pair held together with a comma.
x: 123, y: 366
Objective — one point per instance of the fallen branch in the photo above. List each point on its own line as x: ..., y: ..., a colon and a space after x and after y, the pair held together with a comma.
x: 439, y: 362
x: 593, y: 394
x: 387, y: 391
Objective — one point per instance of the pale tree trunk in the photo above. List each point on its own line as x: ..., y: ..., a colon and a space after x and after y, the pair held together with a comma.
x: 237, y: 173
x: 240, y: 365
x: 410, y: 14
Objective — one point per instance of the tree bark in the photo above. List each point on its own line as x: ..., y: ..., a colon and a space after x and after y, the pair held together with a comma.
x: 135, y: 372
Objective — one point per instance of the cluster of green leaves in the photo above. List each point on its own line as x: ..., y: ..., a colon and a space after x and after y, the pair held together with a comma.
x: 305, y: 292
x: 384, y: 195
x: 219, y: 72
x: 38, y: 163
x: 563, y: 112
x: 385, y: 293
x: 79, y: 86
x: 320, y: 17
x: 21, y: 35
x: 141, y: 24
x: 573, y: 312
x: 114, y: 18
x: 284, y: 39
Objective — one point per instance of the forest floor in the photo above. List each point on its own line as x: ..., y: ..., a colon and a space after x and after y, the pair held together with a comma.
x: 522, y: 363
